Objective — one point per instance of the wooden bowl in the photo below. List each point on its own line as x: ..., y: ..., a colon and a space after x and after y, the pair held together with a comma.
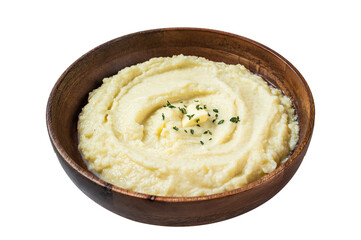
x: 71, y: 91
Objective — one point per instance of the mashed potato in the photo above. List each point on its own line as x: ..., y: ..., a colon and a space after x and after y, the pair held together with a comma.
x: 185, y: 126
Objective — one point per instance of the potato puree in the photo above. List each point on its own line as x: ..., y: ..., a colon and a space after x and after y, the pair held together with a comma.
x: 185, y: 126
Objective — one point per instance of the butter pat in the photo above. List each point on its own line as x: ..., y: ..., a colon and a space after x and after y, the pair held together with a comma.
x: 195, y: 115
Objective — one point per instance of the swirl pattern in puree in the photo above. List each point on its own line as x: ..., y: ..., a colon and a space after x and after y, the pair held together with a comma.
x: 185, y: 126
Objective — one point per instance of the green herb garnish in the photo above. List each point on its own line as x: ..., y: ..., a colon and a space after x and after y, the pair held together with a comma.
x: 220, y: 122
x: 210, y: 133
x: 213, y: 120
x: 183, y: 110
x: 175, y: 128
x: 192, y: 131
x: 190, y: 116
x: 198, y: 125
x: 201, y: 142
x: 206, y: 132
x: 197, y: 120
x: 210, y: 139
x: 197, y: 107
x: 185, y: 131
x: 170, y: 105
x: 163, y: 117
x: 196, y: 100
x: 234, y: 119
x: 204, y: 106
x: 215, y: 110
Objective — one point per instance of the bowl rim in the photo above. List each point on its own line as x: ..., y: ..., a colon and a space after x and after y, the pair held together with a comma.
x: 90, y: 176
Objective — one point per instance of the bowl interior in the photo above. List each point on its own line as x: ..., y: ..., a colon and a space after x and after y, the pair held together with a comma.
x: 71, y: 91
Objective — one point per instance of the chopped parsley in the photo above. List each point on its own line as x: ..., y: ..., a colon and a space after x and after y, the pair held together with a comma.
x: 213, y: 120
x: 201, y: 142
x: 204, y: 106
x: 210, y: 133
x: 215, y: 110
x: 220, y: 122
x: 183, y: 110
x: 163, y: 117
x: 190, y: 116
x: 175, y: 128
x: 196, y: 100
x: 185, y: 131
x: 198, y: 107
x: 216, y: 115
x: 209, y: 114
x: 234, y: 119
x: 197, y: 120
x: 198, y: 125
x: 210, y: 139
x: 192, y: 131
x: 170, y: 105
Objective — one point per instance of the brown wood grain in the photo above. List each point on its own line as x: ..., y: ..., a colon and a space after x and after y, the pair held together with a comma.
x: 70, y: 94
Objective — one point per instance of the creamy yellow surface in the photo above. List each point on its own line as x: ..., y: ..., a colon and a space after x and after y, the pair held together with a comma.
x: 131, y: 138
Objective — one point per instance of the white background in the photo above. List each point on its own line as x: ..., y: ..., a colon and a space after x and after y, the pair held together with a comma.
x: 39, y: 40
